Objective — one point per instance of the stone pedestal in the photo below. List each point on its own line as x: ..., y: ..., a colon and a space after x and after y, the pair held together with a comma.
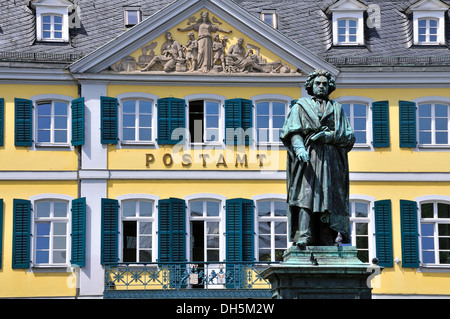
x: 319, y: 272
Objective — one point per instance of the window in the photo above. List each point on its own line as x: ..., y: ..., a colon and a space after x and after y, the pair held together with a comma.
x: 428, y: 30
x: 428, y: 21
x: 433, y: 124
x: 204, y: 121
x: 272, y: 230
x: 348, y: 22
x: 137, y: 230
x: 52, y: 122
x: 435, y: 232
x: 270, y: 17
x: 358, y: 116
x: 52, y: 20
x: 347, y: 31
x: 137, y: 120
x: 270, y: 117
x: 51, y: 222
x: 204, y: 217
x: 132, y: 16
x: 360, y: 229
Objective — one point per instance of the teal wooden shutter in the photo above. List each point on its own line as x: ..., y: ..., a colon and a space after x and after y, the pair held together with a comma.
x: 407, y: 124
x: 239, y: 230
x: 21, y: 234
x: 238, y: 120
x: 410, y: 248
x: 171, y: 120
x: 78, y: 232
x: 380, y: 123
x: 108, y: 106
x: 110, y: 231
x: 1, y: 232
x: 383, y: 233
x: 172, y: 230
x: 23, y: 122
x: 2, y: 121
x: 78, y: 121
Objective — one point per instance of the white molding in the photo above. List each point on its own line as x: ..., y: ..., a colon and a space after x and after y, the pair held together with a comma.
x: 198, y: 196
x: 432, y: 198
x: 269, y: 196
x: 38, y: 175
x: 51, y: 196
x: 432, y: 99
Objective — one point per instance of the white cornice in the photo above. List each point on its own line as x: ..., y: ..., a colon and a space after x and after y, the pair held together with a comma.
x: 428, y: 5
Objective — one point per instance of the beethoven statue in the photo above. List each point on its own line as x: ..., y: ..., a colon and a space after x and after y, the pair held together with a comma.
x: 318, y: 136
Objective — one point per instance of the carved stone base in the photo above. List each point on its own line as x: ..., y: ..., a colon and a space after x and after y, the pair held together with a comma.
x: 320, y: 272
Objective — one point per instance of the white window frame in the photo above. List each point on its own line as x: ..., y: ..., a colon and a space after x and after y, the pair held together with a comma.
x: 272, y: 219
x: 52, y: 7
x: 370, y: 220
x: 270, y: 12
x: 432, y: 100
x: 220, y: 100
x: 434, y: 199
x: 38, y: 99
x: 137, y: 96
x: 438, y: 15
x: 126, y: 10
x: 221, y: 219
x: 268, y: 98
x: 51, y: 198
x: 369, y: 130
x: 154, y: 219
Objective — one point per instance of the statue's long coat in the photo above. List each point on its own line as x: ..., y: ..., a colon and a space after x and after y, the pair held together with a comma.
x: 320, y: 185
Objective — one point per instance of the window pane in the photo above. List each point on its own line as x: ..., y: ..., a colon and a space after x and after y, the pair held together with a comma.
x: 360, y: 137
x: 212, y: 107
x: 443, y: 210
x: 444, y: 229
x: 212, y: 208
x: 341, y: 23
x: 428, y: 257
x: 46, y: 19
x: 128, y: 134
x: 361, y: 228
x: 129, y: 208
x: 278, y: 121
x: 42, y: 243
x: 444, y: 257
x: 60, y: 108
x: 128, y: 120
x: 427, y: 243
x: 279, y: 108
x: 433, y: 23
x: 133, y: 17
x: 425, y: 110
x: 61, y: 136
x: 145, y: 121
x: 57, y: 19
x: 264, y: 227
x: 264, y: 241
x: 424, y: 137
x: 46, y: 35
x: 212, y: 242
x: 43, y: 209
x: 352, y: 23
x: 196, y: 208
x: 444, y: 243
x: 361, y: 209
x: 44, y: 122
x: 280, y: 208
x: 145, y: 228
x: 212, y: 121
x: 362, y: 242
x: 280, y: 227
x: 212, y: 255
x: 441, y: 110
x: 59, y: 243
x: 352, y: 38
x: 42, y: 257
x: 145, y: 208
x: 280, y: 241
x: 60, y: 122
x: 426, y: 210
x: 44, y: 109
x: 145, y: 255
x: 59, y: 228
x: 441, y: 138
x: 145, y: 134
x: 360, y: 124
x: 264, y: 255
x: 58, y: 35
x: 422, y: 23
x: 264, y: 208
x: 427, y: 229
x: 145, y: 107
x: 424, y: 123
x: 129, y: 107
x: 341, y: 38
x: 359, y: 110
x: 60, y: 209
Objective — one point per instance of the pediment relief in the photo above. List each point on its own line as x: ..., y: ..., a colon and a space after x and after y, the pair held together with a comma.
x: 203, y: 44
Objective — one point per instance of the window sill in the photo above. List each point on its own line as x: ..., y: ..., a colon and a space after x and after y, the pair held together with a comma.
x: 434, y: 147
x: 434, y: 269
x: 140, y: 143
x: 51, y: 268
x: 52, y: 146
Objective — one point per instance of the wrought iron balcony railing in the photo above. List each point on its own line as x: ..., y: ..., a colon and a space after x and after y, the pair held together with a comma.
x: 189, y: 275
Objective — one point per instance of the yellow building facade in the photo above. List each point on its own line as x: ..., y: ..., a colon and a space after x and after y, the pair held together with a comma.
x: 150, y: 176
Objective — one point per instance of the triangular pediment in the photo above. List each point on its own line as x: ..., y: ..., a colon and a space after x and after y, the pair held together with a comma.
x: 428, y: 5
x: 216, y: 26
x: 347, y: 5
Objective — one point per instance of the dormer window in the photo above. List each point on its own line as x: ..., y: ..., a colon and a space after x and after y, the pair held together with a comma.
x: 270, y: 17
x: 347, y: 22
x: 428, y: 18
x: 52, y: 20
x: 132, y: 16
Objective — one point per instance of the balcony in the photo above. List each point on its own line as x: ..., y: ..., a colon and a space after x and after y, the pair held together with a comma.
x: 185, y: 280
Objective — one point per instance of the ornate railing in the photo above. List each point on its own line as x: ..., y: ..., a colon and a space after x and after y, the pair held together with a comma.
x: 189, y: 275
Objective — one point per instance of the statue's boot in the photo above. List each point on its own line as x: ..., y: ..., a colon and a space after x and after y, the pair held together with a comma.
x: 304, y: 235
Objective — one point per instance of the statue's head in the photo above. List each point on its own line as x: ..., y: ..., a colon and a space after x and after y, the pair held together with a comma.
x: 320, y: 83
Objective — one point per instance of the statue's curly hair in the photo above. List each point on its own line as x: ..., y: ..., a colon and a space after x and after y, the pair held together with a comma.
x: 310, y: 80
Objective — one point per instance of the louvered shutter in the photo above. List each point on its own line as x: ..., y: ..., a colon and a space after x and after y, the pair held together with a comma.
x: 77, y: 106
x: 410, y: 250
x: 21, y: 234
x: 110, y: 231
x: 1, y: 232
x: 172, y: 230
x: 380, y: 123
x: 383, y: 233
x: 78, y: 232
x: 109, y: 120
x: 171, y: 120
x: 407, y: 124
x: 238, y: 121
x: 239, y: 230
x: 23, y: 122
x: 2, y: 121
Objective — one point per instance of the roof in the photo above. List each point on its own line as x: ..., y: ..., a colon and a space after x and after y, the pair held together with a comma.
x: 302, y: 21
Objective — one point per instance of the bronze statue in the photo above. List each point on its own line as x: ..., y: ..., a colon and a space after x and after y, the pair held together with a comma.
x: 318, y: 136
